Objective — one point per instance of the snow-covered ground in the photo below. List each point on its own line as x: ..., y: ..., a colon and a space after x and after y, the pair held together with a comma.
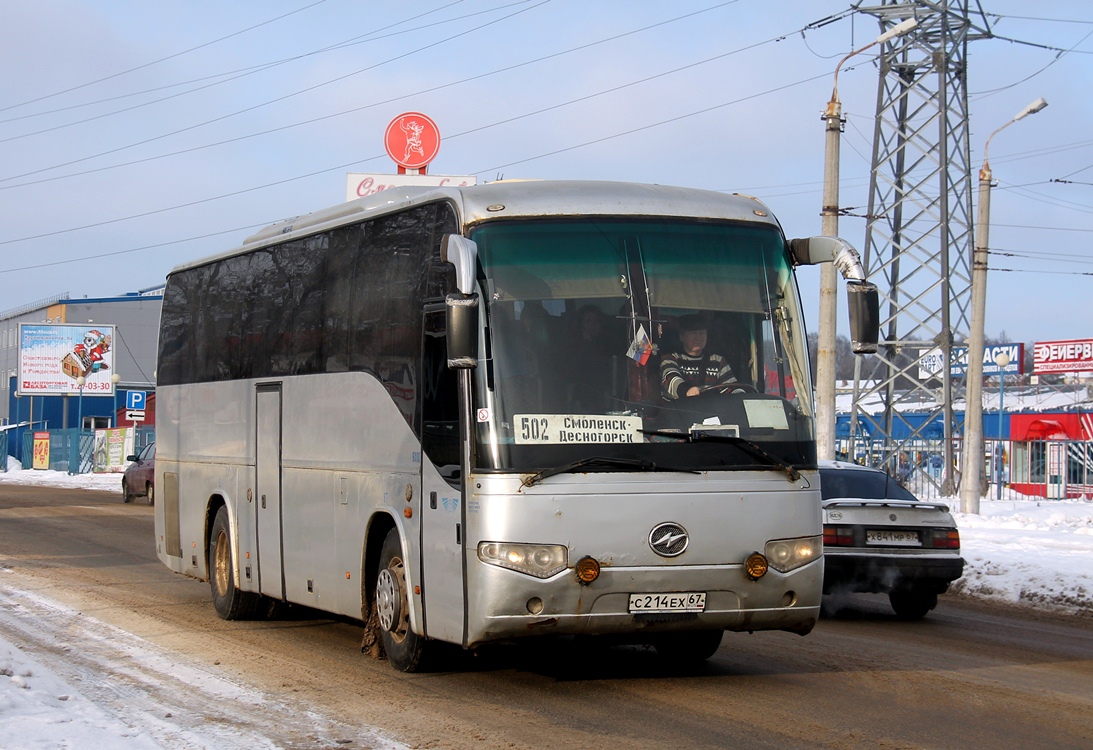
x: 1026, y: 551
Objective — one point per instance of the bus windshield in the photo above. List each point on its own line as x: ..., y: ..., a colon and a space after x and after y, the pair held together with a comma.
x: 662, y: 341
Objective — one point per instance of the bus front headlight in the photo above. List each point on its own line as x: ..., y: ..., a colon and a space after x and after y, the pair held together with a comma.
x: 785, y: 555
x: 539, y: 560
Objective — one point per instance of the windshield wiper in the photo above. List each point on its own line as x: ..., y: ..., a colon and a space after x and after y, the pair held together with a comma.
x: 624, y: 463
x: 742, y: 443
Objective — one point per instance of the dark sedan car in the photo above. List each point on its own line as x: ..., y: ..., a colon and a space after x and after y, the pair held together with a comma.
x: 881, y: 539
x: 139, y: 479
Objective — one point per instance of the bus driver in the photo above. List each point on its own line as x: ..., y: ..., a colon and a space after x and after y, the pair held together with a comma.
x: 693, y: 371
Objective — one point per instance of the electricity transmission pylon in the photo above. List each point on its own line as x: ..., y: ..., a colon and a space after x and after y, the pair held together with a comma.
x: 918, y: 239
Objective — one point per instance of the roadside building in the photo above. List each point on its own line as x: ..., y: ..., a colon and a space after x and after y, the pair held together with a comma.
x: 132, y: 319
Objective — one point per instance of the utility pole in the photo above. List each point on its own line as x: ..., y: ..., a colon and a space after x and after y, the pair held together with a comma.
x: 825, y: 350
x: 971, y: 477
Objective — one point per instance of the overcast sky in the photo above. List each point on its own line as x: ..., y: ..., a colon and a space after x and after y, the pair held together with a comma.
x: 138, y: 135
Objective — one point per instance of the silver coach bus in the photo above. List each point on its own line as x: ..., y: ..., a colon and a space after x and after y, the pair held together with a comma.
x: 444, y: 412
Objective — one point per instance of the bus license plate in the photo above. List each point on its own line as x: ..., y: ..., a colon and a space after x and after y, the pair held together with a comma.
x: 684, y: 602
x: 902, y: 538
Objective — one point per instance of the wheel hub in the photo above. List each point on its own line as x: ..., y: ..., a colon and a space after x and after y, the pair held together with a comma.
x: 388, y: 600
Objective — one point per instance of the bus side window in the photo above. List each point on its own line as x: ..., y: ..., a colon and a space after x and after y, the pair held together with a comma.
x: 440, y: 437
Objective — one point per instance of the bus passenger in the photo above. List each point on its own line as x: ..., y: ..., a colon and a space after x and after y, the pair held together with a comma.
x: 692, y: 371
x: 590, y: 362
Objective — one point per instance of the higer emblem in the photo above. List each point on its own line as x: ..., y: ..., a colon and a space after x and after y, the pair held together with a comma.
x: 668, y: 539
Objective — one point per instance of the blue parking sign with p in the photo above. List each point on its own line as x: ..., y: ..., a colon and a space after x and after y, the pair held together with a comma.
x: 135, y: 399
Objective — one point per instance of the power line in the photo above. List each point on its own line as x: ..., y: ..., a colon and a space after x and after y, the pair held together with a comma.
x: 421, y: 92
x: 1029, y: 226
x: 198, y: 202
x: 160, y: 60
x: 99, y: 256
x: 272, y: 101
x: 704, y: 110
x: 1041, y: 271
x: 234, y: 75
x: 380, y: 156
x: 1048, y: 257
x: 509, y: 120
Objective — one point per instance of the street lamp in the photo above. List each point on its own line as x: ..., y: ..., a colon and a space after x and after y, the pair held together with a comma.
x: 825, y: 345
x: 972, y: 469
x: 1003, y: 361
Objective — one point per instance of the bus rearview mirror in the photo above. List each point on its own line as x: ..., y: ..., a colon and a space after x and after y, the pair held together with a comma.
x: 863, y: 303
x: 462, y: 325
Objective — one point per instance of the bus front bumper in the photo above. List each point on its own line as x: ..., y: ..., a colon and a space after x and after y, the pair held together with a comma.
x: 506, y: 605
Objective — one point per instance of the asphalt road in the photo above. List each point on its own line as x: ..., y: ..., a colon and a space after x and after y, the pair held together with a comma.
x: 969, y: 676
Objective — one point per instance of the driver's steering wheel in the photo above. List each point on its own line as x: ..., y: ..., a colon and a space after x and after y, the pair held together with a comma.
x: 732, y: 388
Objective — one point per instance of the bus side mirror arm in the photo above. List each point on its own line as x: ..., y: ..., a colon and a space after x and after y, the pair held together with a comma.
x: 863, y: 298
x: 463, y: 254
x: 462, y: 306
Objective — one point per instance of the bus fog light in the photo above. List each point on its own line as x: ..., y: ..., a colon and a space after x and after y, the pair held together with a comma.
x: 539, y: 560
x: 755, y: 566
x: 789, y: 554
x: 588, y: 569
x: 535, y: 605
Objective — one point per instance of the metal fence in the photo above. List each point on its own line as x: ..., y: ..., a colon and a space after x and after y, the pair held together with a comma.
x: 1052, y: 469
x: 73, y: 450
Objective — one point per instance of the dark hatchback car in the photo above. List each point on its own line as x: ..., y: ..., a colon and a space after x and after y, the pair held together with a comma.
x: 139, y: 479
x: 881, y: 539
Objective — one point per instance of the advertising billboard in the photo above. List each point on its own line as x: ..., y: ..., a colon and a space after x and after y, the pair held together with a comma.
x: 932, y: 362
x: 52, y: 358
x: 1074, y: 355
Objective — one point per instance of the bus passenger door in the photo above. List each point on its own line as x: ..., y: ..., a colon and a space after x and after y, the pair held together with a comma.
x: 267, y: 503
x: 443, y: 514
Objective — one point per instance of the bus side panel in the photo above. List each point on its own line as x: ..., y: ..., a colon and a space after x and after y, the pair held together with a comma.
x: 348, y: 453
x: 213, y: 458
x: 727, y: 516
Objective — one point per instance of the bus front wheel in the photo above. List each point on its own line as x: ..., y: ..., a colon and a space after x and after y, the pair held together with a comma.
x: 230, y: 603
x: 404, y: 648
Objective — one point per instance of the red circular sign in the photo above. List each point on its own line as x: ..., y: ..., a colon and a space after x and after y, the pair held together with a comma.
x: 412, y: 140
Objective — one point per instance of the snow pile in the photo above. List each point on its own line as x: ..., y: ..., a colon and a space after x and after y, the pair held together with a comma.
x: 1032, y: 552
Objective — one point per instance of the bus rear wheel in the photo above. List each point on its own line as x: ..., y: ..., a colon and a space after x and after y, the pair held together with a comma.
x: 230, y: 603
x: 404, y: 648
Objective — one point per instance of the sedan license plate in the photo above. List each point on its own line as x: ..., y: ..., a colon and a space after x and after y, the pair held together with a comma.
x: 892, y: 538
x: 680, y: 602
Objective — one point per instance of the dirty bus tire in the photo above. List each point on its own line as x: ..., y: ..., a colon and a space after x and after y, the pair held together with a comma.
x: 404, y: 648
x: 230, y: 603
x: 689, y: 646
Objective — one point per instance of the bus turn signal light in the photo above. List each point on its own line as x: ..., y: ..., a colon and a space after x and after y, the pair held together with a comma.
x: 755, y: 566
x: 588, y: 570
